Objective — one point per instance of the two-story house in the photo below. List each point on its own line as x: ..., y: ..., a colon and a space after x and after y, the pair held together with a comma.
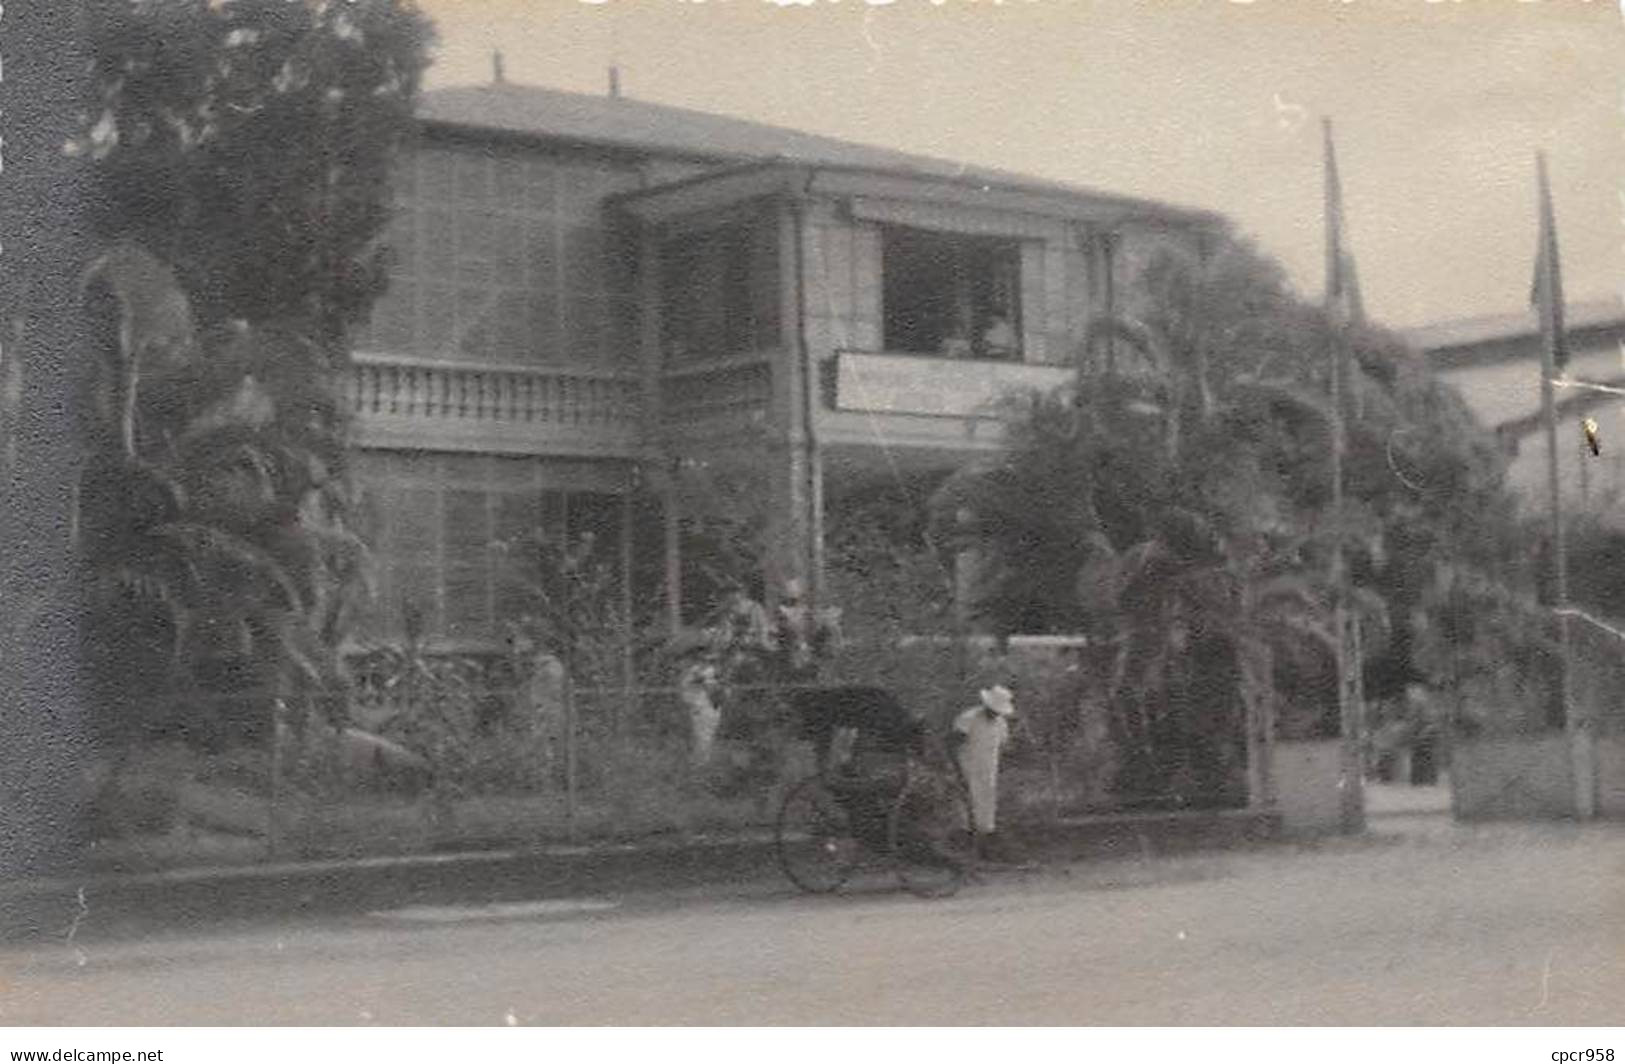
x: 591, y: 292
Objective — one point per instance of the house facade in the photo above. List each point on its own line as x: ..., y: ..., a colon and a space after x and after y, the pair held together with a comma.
x: 1495, y: 365
x: 597, y: 303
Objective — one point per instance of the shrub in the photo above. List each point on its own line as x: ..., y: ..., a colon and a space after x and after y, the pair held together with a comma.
x: 139, y: 795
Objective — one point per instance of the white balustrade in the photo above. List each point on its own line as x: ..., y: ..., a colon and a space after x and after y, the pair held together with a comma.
x: 543, y: 395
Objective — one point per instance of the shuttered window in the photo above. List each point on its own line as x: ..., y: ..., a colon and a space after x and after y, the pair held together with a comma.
x: 720, y: 293
x: 437, y: 525
x: 505, y: 257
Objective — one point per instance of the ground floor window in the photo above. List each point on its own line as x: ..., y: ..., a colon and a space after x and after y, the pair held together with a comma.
x: 443, y: 530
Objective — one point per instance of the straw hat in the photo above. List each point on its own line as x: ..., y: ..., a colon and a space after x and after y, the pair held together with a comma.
x: 998, y: 700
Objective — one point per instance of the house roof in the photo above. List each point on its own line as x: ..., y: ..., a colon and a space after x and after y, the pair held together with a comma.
x: 1469, y: 332
x: 620, y: 122
x: 1494, y: 361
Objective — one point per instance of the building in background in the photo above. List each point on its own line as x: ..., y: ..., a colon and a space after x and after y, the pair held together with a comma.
x: 1494, y: 363
x: 594, y: 297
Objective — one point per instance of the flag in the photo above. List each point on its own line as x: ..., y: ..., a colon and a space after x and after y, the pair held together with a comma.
x: 1546, y: 293
x: 1343, y: 300
x: 1342, y: 282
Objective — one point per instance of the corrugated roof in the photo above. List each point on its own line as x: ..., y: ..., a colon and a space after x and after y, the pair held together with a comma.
x: 616, y: 121
x: 1467, y: 332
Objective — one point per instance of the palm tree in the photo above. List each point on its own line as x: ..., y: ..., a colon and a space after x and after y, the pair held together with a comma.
x: 1172, y: 512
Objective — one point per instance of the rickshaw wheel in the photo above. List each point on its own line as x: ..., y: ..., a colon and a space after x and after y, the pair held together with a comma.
x: 814, y: 837
x: 932, y: 835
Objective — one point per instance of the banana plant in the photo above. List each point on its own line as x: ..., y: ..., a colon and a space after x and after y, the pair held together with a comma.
x: 210, y: 513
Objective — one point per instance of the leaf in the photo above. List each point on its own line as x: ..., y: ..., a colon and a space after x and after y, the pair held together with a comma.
x: 203, y: 544
x: 155, y: 315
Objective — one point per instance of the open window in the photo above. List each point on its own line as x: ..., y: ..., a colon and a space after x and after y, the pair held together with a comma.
x: 949, y: 295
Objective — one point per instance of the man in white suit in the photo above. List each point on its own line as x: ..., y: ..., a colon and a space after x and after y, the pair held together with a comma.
x: 977, y: 739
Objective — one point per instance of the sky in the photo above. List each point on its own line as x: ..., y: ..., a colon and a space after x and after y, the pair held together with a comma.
x: 1438, y: 108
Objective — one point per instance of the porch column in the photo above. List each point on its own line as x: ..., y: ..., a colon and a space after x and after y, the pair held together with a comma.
x: 656, y: 448
x: 791, y: 504
x: 794, y: 545
x: 967, y: 573
x: 673, y: 582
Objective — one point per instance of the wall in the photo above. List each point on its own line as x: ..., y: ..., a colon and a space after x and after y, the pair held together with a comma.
x: 1505, y: 386
x: 1307, y: 775
x: 1611, y: 776
x: 1532, y: 776
x: 1587, y: 482
x: 843, y: 277
x: 1524, y: 776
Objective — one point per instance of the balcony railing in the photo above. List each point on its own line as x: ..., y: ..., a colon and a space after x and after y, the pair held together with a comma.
x: 935, y: 387
x: 504, y: 405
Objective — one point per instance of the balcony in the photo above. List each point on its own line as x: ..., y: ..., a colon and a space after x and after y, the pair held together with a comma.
x: 563, y: 410
x: 925, y: 402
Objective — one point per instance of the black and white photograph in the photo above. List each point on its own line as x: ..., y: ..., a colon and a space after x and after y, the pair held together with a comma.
x: 1097, y: 514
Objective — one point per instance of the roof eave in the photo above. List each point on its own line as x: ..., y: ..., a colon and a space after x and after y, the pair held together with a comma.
x: 795, y: 178
x: 608, y: 146
x: 1054, y: 201
x: 1507, y: 346
x: 688, y: 196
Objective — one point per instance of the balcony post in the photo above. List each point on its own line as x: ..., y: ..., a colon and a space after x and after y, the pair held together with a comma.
x: 655, y: 445
x: 794, y: 470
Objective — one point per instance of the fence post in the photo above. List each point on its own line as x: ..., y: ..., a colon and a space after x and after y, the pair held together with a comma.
x: 570, y: 757
x: 273, y: 817
x: 628, y: 665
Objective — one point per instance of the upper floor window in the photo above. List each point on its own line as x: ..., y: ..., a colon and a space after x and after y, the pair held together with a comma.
x: 720, y: 292
x: 949, y: 295
x: 504, y: 256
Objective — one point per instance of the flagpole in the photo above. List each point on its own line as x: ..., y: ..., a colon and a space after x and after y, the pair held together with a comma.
x: 1549, y: 294
x: 1353, y: 762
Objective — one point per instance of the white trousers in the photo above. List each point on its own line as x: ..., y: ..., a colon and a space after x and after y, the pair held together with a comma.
x: 979, y: 761
x: 703, y: 717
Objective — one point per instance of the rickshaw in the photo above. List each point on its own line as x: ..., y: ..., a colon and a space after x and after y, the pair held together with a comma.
x: 898, y: 798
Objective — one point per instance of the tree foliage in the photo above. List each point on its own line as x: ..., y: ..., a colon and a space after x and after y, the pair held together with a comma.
x: 247, y: 143
x: 211, y: 516
x: 1177, y: 511
x: 242, y: 150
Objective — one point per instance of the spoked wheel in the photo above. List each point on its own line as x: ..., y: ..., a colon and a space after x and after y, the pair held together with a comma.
x: 933, y: 840
x: 815, y: 840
